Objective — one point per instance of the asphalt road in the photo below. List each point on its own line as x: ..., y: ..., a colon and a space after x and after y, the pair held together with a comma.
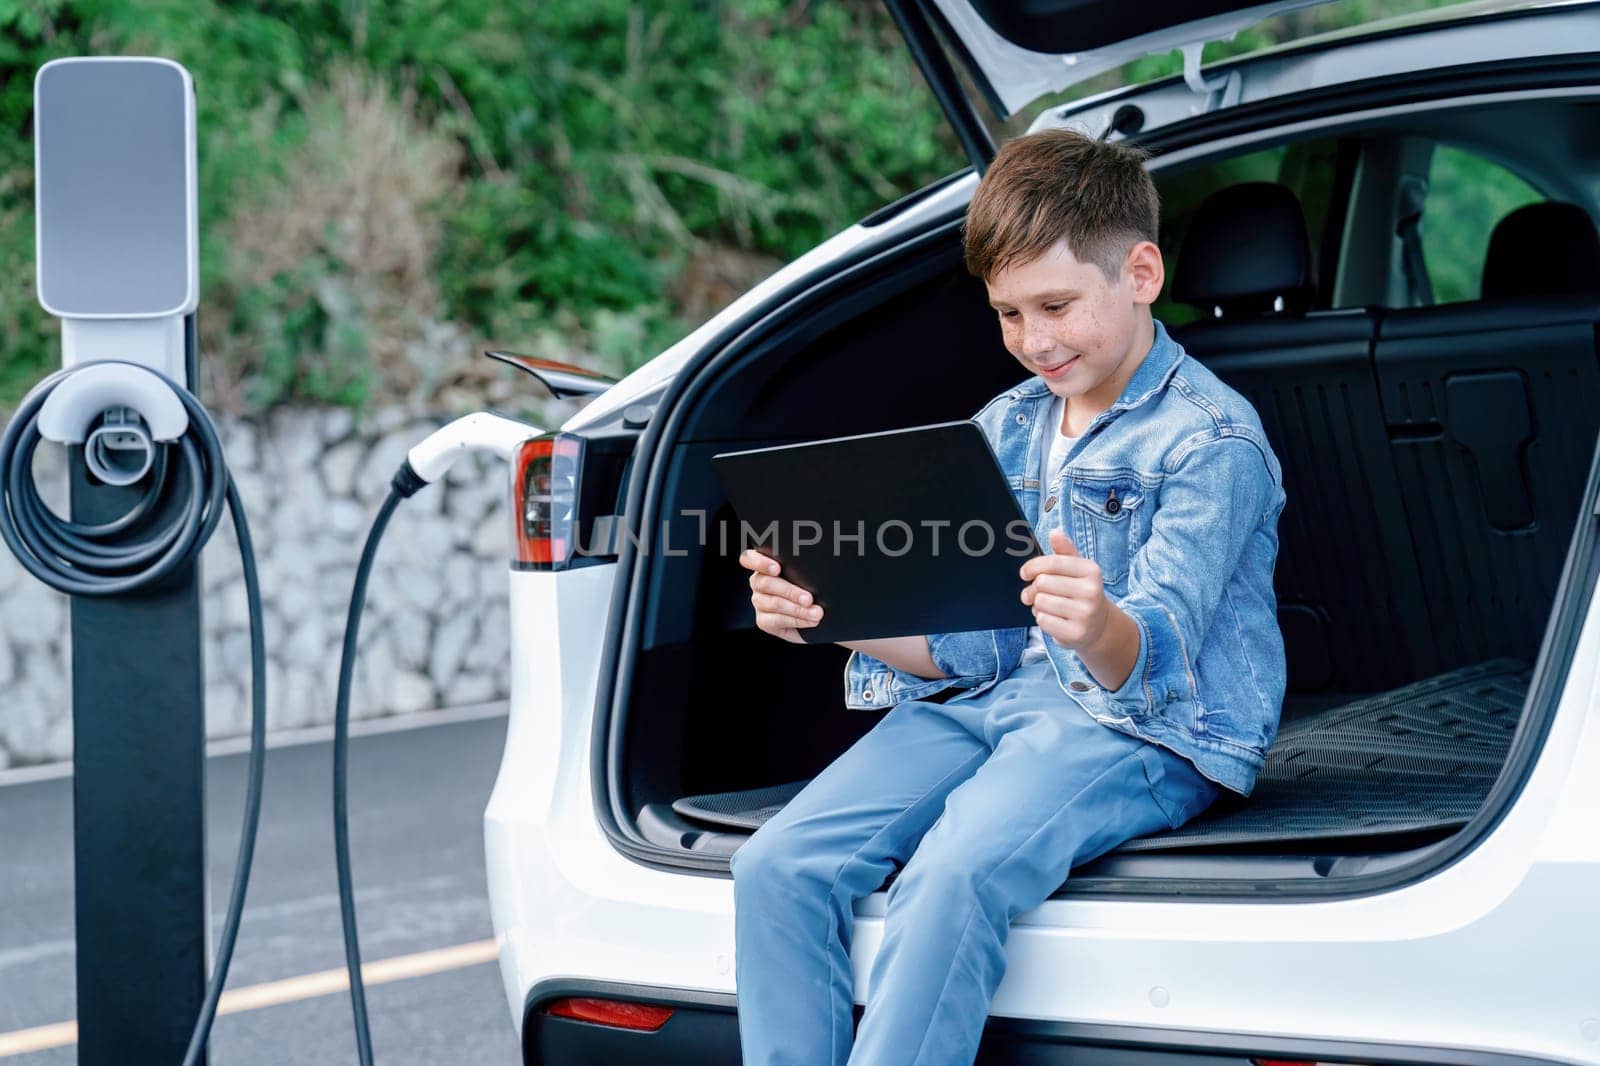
x: 416, y: 803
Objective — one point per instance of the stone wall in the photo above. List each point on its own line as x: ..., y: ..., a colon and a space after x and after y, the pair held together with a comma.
x: 435, y: 631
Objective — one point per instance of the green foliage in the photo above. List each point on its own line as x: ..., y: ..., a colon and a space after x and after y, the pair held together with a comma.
x: 604, y: 146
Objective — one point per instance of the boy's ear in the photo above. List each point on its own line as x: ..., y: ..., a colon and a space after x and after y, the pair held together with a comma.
x: 1146, y: 271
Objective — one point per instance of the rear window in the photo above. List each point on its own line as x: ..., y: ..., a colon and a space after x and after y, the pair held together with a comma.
x: 1467, y: 195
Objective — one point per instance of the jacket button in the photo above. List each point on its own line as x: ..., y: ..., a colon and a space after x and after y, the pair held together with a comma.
x: 866, y: 695
x: 1079, y: 686
x: 1022, y: 420
x: 1113, y: 505
x: 1050, y: 503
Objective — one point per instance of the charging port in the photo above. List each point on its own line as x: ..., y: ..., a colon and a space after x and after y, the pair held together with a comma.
x: 120, y: 451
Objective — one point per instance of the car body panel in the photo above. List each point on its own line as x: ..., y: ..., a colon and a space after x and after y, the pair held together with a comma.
x: 1495, y: 928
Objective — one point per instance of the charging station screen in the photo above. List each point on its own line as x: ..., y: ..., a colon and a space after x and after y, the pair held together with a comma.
x: 113, y: 188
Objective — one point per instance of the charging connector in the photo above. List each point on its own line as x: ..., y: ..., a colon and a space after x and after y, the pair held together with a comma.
x: 432, y: 458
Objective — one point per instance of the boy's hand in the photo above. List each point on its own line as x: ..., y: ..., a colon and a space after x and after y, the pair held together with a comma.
x: 1067, y: 594
x: 782, y: 608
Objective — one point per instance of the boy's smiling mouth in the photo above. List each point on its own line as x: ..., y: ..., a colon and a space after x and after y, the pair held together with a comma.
x: 1057, y: 369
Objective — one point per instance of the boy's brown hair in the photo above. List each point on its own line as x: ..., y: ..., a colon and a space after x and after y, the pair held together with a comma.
x: 1058, y: 184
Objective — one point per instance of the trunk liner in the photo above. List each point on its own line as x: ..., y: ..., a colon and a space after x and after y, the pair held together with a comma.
x: 1420, y: 757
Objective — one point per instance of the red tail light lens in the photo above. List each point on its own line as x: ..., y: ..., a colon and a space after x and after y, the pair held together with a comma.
x: 613, y: 1012
x: 544, y: 492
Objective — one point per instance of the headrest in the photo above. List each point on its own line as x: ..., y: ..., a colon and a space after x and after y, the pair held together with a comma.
x: 1543, y: 249
x: 1246, y: 249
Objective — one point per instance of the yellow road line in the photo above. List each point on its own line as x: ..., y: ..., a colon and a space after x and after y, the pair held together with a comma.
x: 23, y: 1041
x: 289, y: 990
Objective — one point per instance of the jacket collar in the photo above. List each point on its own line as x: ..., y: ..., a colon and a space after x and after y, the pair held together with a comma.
x: 1160, y: 363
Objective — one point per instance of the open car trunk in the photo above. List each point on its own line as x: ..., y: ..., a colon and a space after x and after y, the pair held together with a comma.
x: 1421, y: 547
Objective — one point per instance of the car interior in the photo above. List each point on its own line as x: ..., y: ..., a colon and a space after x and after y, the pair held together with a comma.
x: 1412, y: 308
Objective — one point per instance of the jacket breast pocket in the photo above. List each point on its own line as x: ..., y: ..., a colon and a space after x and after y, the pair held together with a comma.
x: 1112, y: 518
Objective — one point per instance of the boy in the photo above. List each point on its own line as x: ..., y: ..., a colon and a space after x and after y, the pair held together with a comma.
x: 1152, y: 680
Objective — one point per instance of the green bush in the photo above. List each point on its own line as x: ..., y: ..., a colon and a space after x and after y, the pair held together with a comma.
x: 599, y: 150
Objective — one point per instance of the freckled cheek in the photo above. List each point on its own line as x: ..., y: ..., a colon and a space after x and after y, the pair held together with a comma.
x: 1097, y: 330
x: 1090, y: 336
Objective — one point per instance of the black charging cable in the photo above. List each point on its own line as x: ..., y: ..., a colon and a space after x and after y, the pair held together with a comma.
x: 129, y: 553
x: 405, y: 484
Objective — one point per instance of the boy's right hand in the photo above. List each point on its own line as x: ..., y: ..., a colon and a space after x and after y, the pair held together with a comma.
x: 782, y: 608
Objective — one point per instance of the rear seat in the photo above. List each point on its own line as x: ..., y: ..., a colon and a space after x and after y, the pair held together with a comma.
x: 1348, y: 584
x: 1433, y: 458
x: 1492, y: 408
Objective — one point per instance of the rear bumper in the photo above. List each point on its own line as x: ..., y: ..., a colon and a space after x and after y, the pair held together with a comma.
x: 704, y: 1031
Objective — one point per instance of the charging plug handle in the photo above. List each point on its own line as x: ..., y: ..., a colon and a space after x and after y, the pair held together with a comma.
x: 480, y: 431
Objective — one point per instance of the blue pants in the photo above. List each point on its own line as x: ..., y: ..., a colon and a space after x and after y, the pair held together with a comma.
x: 988, y: 802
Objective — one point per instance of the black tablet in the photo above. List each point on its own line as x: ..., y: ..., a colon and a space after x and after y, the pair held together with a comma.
x: 899, y: 533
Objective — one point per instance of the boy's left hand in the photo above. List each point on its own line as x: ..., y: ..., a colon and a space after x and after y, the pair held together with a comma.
x: 1067, y: 594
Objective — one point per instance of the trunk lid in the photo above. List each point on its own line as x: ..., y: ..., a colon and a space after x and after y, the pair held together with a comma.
x: 1016, y: 51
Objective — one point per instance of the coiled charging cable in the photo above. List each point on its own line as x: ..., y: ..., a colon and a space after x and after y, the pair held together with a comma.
x: 131, y: 552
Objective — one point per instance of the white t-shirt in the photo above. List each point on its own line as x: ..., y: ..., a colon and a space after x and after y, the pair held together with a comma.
x: 1059, y: 446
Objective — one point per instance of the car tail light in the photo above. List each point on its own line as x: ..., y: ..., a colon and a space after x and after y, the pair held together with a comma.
x: 544, y: 497
x: 616, y: 1013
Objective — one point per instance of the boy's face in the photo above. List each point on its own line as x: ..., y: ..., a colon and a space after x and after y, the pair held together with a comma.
x: 1082, y: 333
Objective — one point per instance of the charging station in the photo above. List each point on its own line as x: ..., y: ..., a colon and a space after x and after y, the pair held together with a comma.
x: 118, y: 264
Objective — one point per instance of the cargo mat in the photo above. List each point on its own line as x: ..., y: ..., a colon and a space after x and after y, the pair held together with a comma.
x: 1420, y: 757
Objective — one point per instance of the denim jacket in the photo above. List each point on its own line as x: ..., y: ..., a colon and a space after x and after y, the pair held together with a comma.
x: 1186, y: 550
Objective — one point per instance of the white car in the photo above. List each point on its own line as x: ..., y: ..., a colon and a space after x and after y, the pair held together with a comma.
x: 1386, y: 239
